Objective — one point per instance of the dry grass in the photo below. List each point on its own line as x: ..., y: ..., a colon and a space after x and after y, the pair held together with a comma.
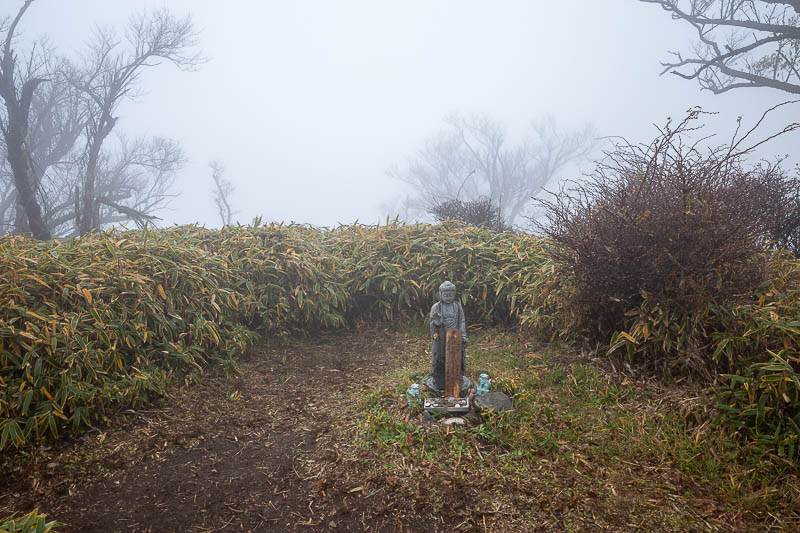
x: 586, y: 449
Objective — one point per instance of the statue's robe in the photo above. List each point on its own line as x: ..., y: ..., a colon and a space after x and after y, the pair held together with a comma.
x: 450, y: 316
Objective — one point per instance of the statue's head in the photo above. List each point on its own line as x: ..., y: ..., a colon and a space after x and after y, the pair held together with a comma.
x: 447, y: 292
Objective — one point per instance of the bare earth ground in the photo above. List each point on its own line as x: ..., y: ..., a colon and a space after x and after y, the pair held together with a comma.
x: 229, y: 454
x: 270, y: 449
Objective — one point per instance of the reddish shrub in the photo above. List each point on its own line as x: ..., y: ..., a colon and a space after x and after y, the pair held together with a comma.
x: 479, y: 212
x: 670, y: 221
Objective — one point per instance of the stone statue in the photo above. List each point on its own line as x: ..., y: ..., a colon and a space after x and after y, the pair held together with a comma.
x: 447, y: 313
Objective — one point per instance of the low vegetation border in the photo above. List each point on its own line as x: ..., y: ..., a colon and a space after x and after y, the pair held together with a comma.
x: 88, y: 325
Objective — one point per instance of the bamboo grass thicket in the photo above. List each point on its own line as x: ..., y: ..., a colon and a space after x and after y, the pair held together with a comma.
x: 114, y: 318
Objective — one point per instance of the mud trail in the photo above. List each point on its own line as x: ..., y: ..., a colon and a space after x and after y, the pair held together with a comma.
x: 249, y: 452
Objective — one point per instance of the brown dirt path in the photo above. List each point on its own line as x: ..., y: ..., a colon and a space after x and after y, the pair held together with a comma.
x: 242, y: 453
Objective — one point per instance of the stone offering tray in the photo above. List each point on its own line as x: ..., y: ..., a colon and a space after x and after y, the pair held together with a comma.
x: 447, y: 405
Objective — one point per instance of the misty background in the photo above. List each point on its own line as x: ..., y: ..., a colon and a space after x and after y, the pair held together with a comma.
x: 309, y: 104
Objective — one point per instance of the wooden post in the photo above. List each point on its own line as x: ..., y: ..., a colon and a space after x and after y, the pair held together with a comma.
x: 452, y: 363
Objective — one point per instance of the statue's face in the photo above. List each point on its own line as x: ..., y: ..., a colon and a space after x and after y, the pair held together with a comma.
x: 447, y: 296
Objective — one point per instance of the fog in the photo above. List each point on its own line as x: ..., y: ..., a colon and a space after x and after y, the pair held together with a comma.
x: 307, y: 104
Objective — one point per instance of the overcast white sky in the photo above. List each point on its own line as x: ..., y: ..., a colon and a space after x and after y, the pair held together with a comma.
x: 307, y: 103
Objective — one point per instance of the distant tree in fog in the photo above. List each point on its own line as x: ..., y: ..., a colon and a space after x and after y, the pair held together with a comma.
x: 471, y: 158
x: 8, y: 194
x: 478, y: 212
x: 398, y: 208
x: 752, y: 43
x: 17, y: 88
x: 80, y: 176
x: 132, y: 181
x: 223, y: 188
x: 110, y: 76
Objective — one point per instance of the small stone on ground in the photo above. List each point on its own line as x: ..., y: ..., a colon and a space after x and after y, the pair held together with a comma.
x: 427, y: 419
x: 492, y: 401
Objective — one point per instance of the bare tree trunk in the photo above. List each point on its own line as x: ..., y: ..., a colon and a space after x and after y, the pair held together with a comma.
x: 516, y: 209
x: 221, y: 195
x: 15, y: 131
x: 90, y: 214
x: 7, y: 204
x: 112, y: 74
x: 26, y: 193
x: 21, y: 225
x: 87, y: 221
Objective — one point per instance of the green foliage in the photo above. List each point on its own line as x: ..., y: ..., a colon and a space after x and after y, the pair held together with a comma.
x: 764, y: 401
x: 572, y: 419
x: 398, y: 269
x: 114, y: 318
x: 33, y: 522
x: 106, y: 320
x: 668, y: 250
x: 668, y: 226
x: 757, y: 341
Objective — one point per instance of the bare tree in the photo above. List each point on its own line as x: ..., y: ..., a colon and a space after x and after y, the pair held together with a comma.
x: 54, y: 126
x: 741, y: 43
x: 8, y: 194
x: 401, y: 208
x: 478, y: 212
x: 17, y: 90
x: 112, y: 76
x: 133, y: 176
x: 133, y: 182
x: 471, y: 159
x: 57, y: 122
x: 223, y: 188
x: 66, y: 173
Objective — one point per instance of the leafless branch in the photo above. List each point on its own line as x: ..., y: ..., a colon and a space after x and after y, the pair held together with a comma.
x: 112, y: 75
x: 223, y: 188
x: 754, y: 43
x: 17, y: 93
x: 471, y: 158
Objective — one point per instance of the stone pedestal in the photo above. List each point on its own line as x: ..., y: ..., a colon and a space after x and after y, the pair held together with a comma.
x: 464, y: 387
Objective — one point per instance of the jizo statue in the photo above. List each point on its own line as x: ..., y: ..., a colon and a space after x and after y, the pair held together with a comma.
x: 446, y: 314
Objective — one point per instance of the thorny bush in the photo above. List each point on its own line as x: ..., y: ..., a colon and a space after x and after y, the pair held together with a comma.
x: 670, y: 250
x: 671, y: 225
x: 480, y: 212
